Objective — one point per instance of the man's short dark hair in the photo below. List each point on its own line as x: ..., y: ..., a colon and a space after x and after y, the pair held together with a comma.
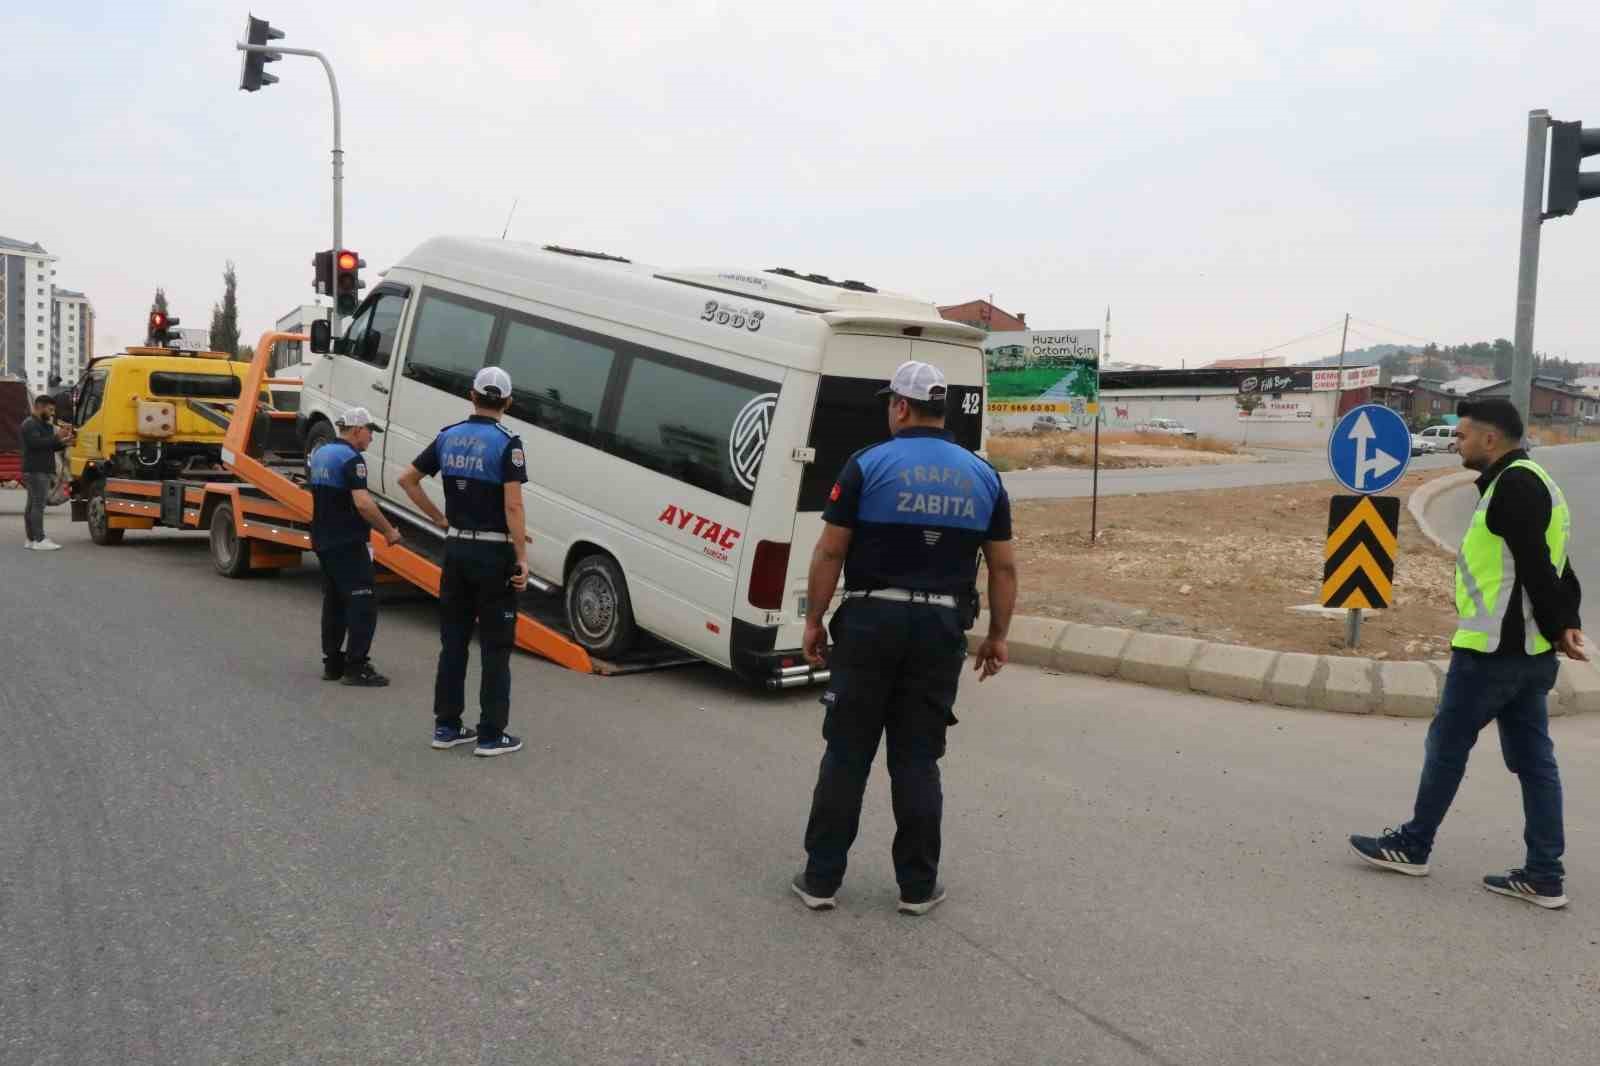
x: 44, y: 397
x: 493, y: 401
x: 1501, y: 414
x: 927, y: 408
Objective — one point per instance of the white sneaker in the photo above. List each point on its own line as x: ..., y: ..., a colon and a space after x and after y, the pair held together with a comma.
x: 46, y: 545
x: 28, y: 544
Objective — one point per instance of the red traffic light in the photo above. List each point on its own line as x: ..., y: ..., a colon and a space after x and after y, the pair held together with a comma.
x: 157, y: 320
x: 347, y: 260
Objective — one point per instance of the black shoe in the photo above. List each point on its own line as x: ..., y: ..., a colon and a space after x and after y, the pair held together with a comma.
x: 332, y: 669
x: 504, y: 744
x: 814, y: 898
x: 922, y: 906
x: 364, y: 676
x: 1517, y: 885
x: 1391, y: 852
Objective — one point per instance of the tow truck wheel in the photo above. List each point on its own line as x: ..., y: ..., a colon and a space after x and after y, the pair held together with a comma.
x: 100, y: 530
x: 319, y: 434
x: 230, y: 554
x: 599, y: 609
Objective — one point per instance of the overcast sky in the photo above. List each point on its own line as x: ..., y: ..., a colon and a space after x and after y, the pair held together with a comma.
x: 1225, y: 176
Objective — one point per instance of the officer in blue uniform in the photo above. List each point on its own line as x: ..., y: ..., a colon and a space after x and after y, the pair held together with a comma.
x: 486, y: 561
x: 905, y: 522
x: 343, y: 514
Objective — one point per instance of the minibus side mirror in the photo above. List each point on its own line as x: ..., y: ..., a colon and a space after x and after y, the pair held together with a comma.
x: 321, y: 336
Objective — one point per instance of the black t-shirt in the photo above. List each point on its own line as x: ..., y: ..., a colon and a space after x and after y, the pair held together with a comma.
x: 337, y: 470
x: 477, y: 459
x: 921, y: 507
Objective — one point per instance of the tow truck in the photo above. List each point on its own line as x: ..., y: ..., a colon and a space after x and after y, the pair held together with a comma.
x: 253, y: 500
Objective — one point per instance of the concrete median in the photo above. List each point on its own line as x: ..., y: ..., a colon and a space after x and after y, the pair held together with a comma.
x: 1337, y: 683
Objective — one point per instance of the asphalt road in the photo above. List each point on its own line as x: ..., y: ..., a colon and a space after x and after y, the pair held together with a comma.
x: 1576, y: 468
x: 209, y: 856
x: 1282, y: 469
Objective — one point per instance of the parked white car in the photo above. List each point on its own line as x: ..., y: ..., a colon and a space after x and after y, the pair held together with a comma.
x: 1052, y: 424
x: 1170, y: 427
x: 1435, y: 439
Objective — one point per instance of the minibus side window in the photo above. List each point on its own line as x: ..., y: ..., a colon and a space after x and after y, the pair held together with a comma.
x: 558, y: 379
x: 706, y: 427
x: 450, y: 341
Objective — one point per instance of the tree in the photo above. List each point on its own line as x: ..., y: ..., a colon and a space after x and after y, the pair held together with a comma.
x: 225, y: 316
x: 1505, y: 357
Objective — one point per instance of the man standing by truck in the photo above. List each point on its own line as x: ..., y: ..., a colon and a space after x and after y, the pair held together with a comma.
x: 485, y: 561
x: 343, y: 514
x: 41, y: 441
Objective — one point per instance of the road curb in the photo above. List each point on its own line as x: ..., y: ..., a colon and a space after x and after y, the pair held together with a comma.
x: 1288, y: 680
x: 1422, y: 497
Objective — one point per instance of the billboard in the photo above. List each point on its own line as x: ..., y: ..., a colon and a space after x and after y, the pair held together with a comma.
x: 1043, y: 371
x: 1356, y: 377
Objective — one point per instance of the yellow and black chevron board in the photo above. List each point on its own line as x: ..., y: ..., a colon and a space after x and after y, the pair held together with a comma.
x: 1363, y: 542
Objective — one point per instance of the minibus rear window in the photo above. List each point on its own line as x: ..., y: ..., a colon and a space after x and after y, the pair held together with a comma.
x: 208, y: 386
x: 850, y: 415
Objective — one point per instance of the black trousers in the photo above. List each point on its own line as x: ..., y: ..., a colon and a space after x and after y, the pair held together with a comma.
x: 475, y: 590
x: 895, y: 671
x: 348, y: 607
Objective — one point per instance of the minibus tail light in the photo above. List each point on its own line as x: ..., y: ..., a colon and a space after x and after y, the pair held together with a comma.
x: 769, y: 575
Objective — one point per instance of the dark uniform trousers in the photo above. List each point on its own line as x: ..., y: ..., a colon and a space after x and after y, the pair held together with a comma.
x: 347, y: 603
x: 475, y: 589
x: 895, y: 670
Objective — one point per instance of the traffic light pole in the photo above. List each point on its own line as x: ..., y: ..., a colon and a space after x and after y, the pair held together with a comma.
x: 1528, y: 265
x: 338, y: 150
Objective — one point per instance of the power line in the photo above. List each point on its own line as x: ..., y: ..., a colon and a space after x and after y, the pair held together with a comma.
x: 1285, y: 344
x: 1397, y: 332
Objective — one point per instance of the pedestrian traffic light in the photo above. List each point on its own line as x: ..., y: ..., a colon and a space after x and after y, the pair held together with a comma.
x: 252, y: 76
x: 323, y: 281
x: 347, y: 283
x: 161, y: 328
x: 1569, y: 144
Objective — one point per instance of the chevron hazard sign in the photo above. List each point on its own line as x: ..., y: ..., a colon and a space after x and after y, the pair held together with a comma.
x: 1361, y: 549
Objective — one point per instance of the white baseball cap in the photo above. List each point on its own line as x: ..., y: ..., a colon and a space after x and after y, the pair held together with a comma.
x: 916, y: 381
x: 357, y: 418
x: 493, y: 382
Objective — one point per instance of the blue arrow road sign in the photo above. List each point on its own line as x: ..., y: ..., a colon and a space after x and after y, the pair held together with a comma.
x: 1370, y: 449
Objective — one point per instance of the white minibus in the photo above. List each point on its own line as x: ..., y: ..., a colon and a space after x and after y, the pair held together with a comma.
x: 683, y: 428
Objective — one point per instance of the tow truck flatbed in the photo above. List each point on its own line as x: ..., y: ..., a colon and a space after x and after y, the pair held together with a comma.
x: 258, y: 511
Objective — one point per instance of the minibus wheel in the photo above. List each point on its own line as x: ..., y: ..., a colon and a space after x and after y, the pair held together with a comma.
x: 598, y: 607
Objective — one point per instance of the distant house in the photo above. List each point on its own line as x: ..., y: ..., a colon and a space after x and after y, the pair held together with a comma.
x: 985, y: 316
x: 1553, y: 399
x: 1467, y: 386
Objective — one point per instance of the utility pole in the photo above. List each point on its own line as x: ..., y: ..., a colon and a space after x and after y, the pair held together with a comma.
x: 1528, y: 263
x: 1338, y: 400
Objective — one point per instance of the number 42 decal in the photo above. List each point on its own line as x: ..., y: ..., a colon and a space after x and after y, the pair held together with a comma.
x: 972, y: 403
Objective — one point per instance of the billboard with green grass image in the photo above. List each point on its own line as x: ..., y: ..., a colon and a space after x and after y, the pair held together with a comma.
x: 1058, y: 369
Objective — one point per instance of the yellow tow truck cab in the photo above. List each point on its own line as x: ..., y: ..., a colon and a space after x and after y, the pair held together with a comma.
x: 152, y: 414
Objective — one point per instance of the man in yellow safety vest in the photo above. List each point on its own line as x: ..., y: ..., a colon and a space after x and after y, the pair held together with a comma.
x: 1516, y: 604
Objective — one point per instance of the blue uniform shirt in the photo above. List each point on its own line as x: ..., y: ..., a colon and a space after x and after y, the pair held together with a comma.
x: 337, y: 469
x: 477, y: 459
x: 920, y: 506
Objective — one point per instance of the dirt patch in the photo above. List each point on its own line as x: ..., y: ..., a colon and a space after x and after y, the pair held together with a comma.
x: 1118, y: 451
x: 1225, y: 565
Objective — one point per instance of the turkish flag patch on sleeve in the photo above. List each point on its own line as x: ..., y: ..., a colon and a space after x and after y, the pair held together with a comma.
x: 833, y: 497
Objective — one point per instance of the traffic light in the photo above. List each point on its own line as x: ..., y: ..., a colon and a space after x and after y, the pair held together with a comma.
x: 252, y: 76
x: 347, y: 283
x: 322, y: 282
x: 162, y: 328
x: 1569, y: 144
